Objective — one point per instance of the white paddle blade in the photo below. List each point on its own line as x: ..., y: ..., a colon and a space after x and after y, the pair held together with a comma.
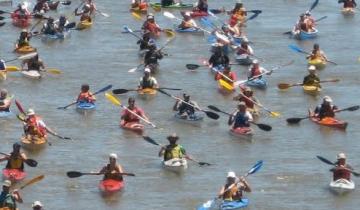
x: 169, y: 15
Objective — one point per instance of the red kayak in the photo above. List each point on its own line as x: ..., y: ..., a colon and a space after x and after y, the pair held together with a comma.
x: 20, y: 21
x: 132, y: 126
x: 14, y: 174
x: 242, y: 132
x: 197, y: 13
x: 329, y: 122
x: 111, y: 185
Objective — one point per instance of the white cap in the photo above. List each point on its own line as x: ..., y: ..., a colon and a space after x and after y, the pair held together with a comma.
x: 7, y: 183
x: 312, y: 68
x: 327, y: 99
x: 37, y: 203
x: 113, y: 155
x: 341, y: 155
x: 30, y: 112
x: 255, y: 61
x: 187, y: 14
x: 148, y: 70
x: 231, y: 174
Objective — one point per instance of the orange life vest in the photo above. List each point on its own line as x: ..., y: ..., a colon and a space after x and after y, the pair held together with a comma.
x: 34, y: 127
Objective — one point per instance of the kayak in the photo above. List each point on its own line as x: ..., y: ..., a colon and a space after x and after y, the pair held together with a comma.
x: 303, y: 35
x: 348, y: 11
x: 33, y: 143
x: 176, y: 164
x: 63, y: 35
x: 25, y: 49
x: 312, y: 90
x: 3, y: 75
x: 33, y: 74
x: 4, y: 114
x: 198, y: 14
x: 132, y: 126
x: 192, y: 119
x: 224, y: 87
x: 172, y: 6
x: 22, y: 22
x: 142, y: 8
x: 317, y: 62
x: 328, y: 121
x: 147, y: 93
x: 189, y: 30
x: 258, y: 83
x: 85, y: 106
x: 242, y: 132
x: 84, y: 25
x: 225, y: 205
x: 111, y: 185
x: 244, y: 59
x: 342, y: 186
x: 13, y: 174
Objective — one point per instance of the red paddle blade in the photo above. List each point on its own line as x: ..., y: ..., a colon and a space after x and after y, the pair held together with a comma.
x: 20, y: 108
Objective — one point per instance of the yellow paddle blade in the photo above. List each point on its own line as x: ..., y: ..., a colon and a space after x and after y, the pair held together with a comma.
x: 156, y: 8
x: 54, y: 71
x: 12, y: 68
x: 275, y: 114
x: 226, y: 85
x: 112, y: 99
x: 32, y: 181
x: 283, y: 86
x: 136, y: 15
x: 169, y: 32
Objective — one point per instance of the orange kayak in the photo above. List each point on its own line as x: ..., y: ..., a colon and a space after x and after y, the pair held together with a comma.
x: 132, y: 126
x: 111, y: 185
x: 328, y: 121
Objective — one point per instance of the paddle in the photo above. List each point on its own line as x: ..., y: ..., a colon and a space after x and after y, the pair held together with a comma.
x: 298, y: 49
x: 23, y: 57
x: 102, y: 13
x: 273, y: 114
x: 298, y: 119
x: 2, y: 18
x: 128, y: 30
x: 122, y: 91
x: 314, y: 4
x: 171, y: 16
x: 210, y: 114
x: 284, y: 86
x: 97, y: 92
x: 152, y: 141
x: 32, y: 181
x: 218, y: 11
x: 75, y: 174
x: 263, y: 127
x: 51, y: 70
x: 334, y: 164
x: 2, y: 23
x: 136, y: 16
x: 322, y: 18
x: 136, y: 68
x: 29, y: 162
x: 117, y: 102
x: 210, y: 204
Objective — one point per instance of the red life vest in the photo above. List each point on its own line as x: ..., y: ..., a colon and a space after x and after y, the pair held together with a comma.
x: 233, y: 20
x: 341, y: 173
x: 152, y: 27
x: 34, y: 127
x: 87, y: 96
x: 255, y: 72
x: 129, y: 117
x: 349, y: 4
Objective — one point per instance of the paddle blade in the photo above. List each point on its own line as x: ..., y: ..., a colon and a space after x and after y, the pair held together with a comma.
x: 127, y: 29
x: 32, y: 181
x: 255, y: 11
x: 295, y: 48
x: 66, y: 3
x: 12, y: 68
x: 18, y: 105
x: 283, y: 86
x: 120, y: 91
x: 226, y: 85
x: 150, y: 140
x: 169, y: 32
x: 217, y: 11
x: 31, y: 162
x: 192, y: 66
x: 113, y: 99
x: 353, y: 108
x: 255, y: 168
x: 253, y: 16
x: 54, y: 71
x: 214, y: 108
x: 70, y: 25
x: 294, y: 120
x: 264, y: 127
x: 212, y: 115
x: 108, y: 87
x: 74, y: 174
x: 275, y: 114
x: 325, y: 160
x: 104, y: 14
x: 169, y: 15
x: 315, y: 3
x: 136, y: 16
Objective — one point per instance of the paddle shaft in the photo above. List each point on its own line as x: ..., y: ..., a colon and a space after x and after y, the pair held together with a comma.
x: 148, y: 122
x: 259, y: 105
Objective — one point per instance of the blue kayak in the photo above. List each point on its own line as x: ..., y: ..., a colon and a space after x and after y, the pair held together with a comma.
x: 258, y: 83
x: 85, y: 106
x: 189, y: 30
x: 4, y: 114
x: 56, y: 36
x: 225, y: 205
x: 302, y: 35
x: 192, y: 119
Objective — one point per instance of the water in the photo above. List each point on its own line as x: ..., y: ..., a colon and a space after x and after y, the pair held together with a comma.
x: 291, y: 178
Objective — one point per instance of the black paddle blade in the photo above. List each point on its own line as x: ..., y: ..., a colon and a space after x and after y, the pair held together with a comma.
x: 204, y: 164
x: 325, y: 160
x: 31, y: 162
x: 214, y: 108
x: 353, y: 108
x: 264, y: 127
x: 74, y: 174
x: 216, y: 11
x: 150, y: 140
x: 66, y: 3
x: 1, y: 24
x: 2, y: 18
x: 294, y: 120
x: 192, y: 66
x: 212, y: 115
x: 120, y: 91
x: 314, y: 5
x: 66, y: 138
x: 70, y: 25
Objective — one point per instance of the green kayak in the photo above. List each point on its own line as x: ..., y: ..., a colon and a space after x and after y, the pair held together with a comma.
x: 173, y: 6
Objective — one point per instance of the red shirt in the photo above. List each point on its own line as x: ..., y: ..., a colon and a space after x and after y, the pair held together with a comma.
x: 129, y: 117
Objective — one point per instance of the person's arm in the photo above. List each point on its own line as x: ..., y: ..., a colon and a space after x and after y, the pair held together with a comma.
x: 232, y: 118
x: 120, y: 169
x: 78, y: 13
x: 42, y: 65
x: 221, y: 192
x: 176, y: 105
x: 23, y: 156
x: 16, y: 195
x: 250, y: 50
x: 249, y: 116
x: 162, y: 151
x: 4, y: 158
x: 103, y: 170
x: 141, y: 113
x: 155, y: 83
x: 247, y: 187
x: 92, y: 97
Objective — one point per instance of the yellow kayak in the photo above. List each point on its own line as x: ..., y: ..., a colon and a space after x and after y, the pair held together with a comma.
x: 225, y: 87
x: 312, y: 90
x: 317, y: 62
x: 84, y: 24
x: 147, y: 92
x: 25, y: 49
x: 33, y: 143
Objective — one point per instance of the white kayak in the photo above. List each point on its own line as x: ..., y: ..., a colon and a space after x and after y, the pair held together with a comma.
x: 175, y: 164
x: 341, y: 186
x: 33, y: 74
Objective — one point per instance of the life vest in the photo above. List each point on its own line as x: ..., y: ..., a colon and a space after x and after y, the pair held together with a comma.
x: 129, y: 117
x: 255, y: 72
x: 341, y: 173
x: 33, y: 65
x: 151, y: 57
x: 241, y: 120
x: 33, y: 127
x: 232, y: 194
x: 15, y: 162
x: 184, y: 107
x: 349, y: 4
x: 326, y: 111
x: 247, y: 101
x: 311, y: 80
x: 109, y: 175
x: 147, y: 83
x: 87, y: 97
x: 172, y: 152
x: 152, y: 27
x: 7, y: 200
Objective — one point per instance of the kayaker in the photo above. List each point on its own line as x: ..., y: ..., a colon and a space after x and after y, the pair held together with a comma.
x: 22, y: 11
x: 128, y: 117
x: 92, y: 5
x: 147, y: 81
x: 234, y: 187
x: 61, y: 24
x: 112, y: 169
x: 202, y: 6
x: 187, y: 22
x: 309, y: 21
x: 41, y: 7
x: 85, y: 95
x: 139, y: 5
x: 85, y: 13
x: 49, y: 27
x: 317, y: 53
x: 34, y: 63
x: 218, y: 59
x: 227, y: 75
x: 16, y: 158
x: 326, y: 109
x: 24, y: 39
x: 301, y: 25
x: 146, y: 41
x: 341, y: 170
x: 172, y: 151
x: 37, y: 205
x: 151, y: 25
x: 348, y: 3
x: 245, y: 95
x: 2, y: 66
x: 5, y: 101
x: 237, y: 15
x: 8, y: 199
x: 152, y: 56
x: 256, y: 70
x: 35, y: 127
x: 240, y: 118
x: 186, y: 109
x: 245, y: 48
x: 312, y: 79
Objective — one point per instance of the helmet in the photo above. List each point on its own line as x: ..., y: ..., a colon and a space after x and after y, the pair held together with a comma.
x: 173, y: 137
x: 255, y: 61
x: 147, y: 70
x: 113, y: 156
x: 341, y: 155
x: 150, y: 16
x: 30, y: 112
x: 231, y: 174
x: 327, y: 99
x: 37, y: 204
